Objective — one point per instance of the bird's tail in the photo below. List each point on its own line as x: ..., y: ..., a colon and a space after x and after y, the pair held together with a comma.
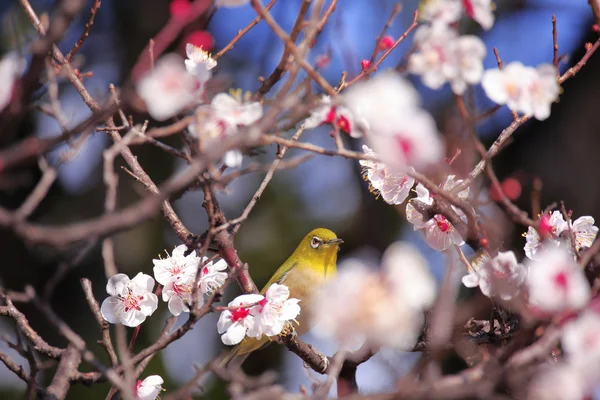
x: 236, y: 356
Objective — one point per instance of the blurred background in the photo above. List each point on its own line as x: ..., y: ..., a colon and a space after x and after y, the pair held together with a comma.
x: 324, y: 192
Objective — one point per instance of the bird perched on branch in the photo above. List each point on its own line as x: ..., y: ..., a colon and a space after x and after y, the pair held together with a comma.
x: 312, y: 264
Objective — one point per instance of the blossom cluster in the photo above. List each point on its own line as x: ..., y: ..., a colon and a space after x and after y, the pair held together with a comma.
x: 176, y: 85
x: 255, y: 315
x: 553, y: 228
x: 441, y: 54
x: 386, y: 111
x: 383, y: 307
x: 523, y: 89
x: 550, y: 277
x: 131, y: 301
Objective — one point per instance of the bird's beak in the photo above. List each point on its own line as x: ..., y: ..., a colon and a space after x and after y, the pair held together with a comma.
x: 335, y: 241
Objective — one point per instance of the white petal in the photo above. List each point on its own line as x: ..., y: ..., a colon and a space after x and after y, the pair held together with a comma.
x: 290, y: 310
x: 149, y: 304
x: 177, y: 306
x: 471, y: 280
x: 109, y: 309
x: 144, y: 281
x: 116, y: 284
x: 224, y: 321
x: 277, y: 293
x: 235, y: 334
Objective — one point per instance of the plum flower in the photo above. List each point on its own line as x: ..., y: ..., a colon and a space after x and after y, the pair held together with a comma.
x: 178, y: 293
x: 413, y: 216
x: 234, y: 323
x: 393, y: 187
x: 240, y: 111
x: 400, y: 131
x: 500, y: 277
x: 149, y: 388
x: 212, y: 277
x: 222, y: 118
x: 130, y: 301
x: 384, y: 307
x: 442, y: 56
x: 440, y: 234
x: 450, y: 11
x: 199, y: 64
x: 274, y: 311
x: 556, y: 282
x: 553, y: 226
x: 523, y: 89
x: 336, y: 115
x: 168, y: 89
x: 176, y: 265
x: 585, y: 232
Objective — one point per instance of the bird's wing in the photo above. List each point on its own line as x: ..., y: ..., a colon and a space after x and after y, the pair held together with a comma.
x: 281, y: 274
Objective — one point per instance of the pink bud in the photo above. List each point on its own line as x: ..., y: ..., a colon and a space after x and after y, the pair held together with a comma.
x: 201, y: 39
x: 364, y: 64
x: 386, y: 43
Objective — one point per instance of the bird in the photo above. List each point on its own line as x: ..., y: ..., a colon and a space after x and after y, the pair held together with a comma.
x: 312, y: 264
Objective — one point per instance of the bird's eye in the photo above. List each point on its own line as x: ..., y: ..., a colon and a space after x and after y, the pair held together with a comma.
x: 315, y: 242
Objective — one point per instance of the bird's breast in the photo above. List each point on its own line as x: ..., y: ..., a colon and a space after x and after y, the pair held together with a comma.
x: 303, y: 283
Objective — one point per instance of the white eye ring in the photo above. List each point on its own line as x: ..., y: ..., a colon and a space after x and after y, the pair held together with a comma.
x: 315, y: 242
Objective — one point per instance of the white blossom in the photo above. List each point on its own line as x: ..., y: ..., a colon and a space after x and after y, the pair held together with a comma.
x: 443, y: 56
x: 440, y: 234
x: 585, y: 232
x: 130, y: 301
x: 211, y: 276
x: 552, y: 227
x: 274, y: 311
x: 523, y: 89
x: 178, y: 272
x: 233, y: 324
x: 400, y: 131
x: 11, y: 68
x: 383, y: 307
x: 413, y: 216
x: 232, y: 107
x: 168, y: 89
x: 199, y: 62
x: 149, y: 388
x: 450, y: 11
x: 222, y: 117
x: 340, y: 116
x: 500, y: 277
x: 393, y: 187
x: 178, y: 293
x: 176, y: 265
x: 556, y: 282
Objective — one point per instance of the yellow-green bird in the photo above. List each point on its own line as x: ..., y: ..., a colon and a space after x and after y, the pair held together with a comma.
x: 312, y: 263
